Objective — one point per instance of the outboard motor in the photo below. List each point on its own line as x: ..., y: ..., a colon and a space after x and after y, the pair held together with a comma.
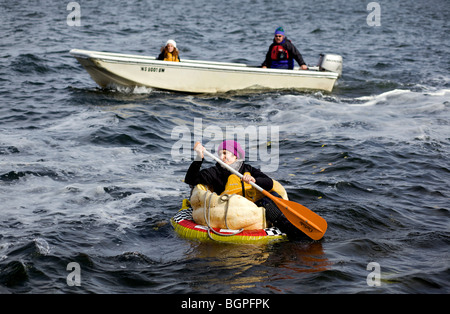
x: 330, y: 62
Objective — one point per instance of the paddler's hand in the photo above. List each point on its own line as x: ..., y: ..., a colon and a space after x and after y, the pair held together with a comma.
x: 198, y: 148
x: 247, y: 178
x: 304, y: 67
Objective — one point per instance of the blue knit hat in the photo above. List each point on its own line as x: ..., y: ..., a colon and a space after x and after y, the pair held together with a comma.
x: 280, y: 31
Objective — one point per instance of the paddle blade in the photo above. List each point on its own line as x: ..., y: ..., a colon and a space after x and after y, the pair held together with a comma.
x: 301, y: 217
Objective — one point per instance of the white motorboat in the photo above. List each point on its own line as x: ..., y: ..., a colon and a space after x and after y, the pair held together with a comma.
x: 109, y: 70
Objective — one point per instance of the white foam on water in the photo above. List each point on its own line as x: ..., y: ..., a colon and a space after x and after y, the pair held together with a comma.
x: 376, y: 99
x: 397, y: 115
x: 66, y: 174
x: 42, y: 246
x: 137, y: 90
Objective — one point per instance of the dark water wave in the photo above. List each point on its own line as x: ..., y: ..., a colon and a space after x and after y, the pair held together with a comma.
x: 88, y: 176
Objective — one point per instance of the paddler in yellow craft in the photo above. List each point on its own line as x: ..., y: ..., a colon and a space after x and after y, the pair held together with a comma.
x: 222, y: 181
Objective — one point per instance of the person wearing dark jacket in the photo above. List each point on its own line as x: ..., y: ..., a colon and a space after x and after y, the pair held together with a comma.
x: 216, y: 177
x: 282, y: 53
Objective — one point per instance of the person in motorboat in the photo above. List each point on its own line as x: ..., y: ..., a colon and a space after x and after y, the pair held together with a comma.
x: 169, y: 52
x: 221, y: 180
x: 282, y: 53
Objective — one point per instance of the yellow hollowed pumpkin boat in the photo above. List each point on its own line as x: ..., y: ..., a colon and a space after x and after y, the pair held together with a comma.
x: 229, y: 218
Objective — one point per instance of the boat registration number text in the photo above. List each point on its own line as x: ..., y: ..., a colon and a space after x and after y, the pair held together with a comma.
x: 152, y: 69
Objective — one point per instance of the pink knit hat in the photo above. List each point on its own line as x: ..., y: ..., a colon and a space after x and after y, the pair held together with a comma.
x: 233, y: 147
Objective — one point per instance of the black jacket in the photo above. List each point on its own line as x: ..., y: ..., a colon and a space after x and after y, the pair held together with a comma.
x: 217, y: 176
x: 289, y: 46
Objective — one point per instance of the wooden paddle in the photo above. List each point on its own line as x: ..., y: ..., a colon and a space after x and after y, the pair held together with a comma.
x: 301, y: 217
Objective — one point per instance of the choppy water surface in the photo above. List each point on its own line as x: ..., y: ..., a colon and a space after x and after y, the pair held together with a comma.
x: 87, y: 175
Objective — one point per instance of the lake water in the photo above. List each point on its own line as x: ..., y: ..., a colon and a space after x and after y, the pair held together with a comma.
x: 88, y: 176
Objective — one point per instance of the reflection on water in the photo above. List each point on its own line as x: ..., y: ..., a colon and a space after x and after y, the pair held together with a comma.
x: 302, y: 257
x: 226, y: 268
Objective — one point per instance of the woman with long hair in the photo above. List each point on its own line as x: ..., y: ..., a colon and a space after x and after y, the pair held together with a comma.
x: 169, y: 52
